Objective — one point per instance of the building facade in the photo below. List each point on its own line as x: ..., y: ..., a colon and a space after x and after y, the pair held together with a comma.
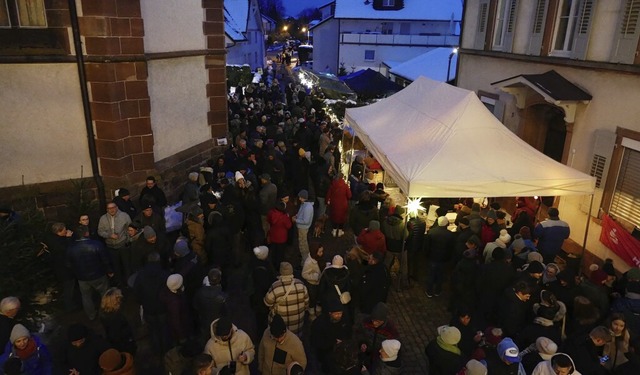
x: 244, y: 33
x: 565, y: 76
x: 356, y: 35
x: 148, y: 97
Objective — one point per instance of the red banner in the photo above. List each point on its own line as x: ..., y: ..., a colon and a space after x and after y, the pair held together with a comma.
x: 616, y: 238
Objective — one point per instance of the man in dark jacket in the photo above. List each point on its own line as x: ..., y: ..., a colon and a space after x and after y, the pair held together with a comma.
x: 492, y: 281
x: 152, y: 195
x: 209, y: 303
x: 149, y: 282
x: 586, y: 350
x: 58, y: 241
x: 375, y: 283
x: 329, y: 329
x: 439, y: 246
x: 515, y: 308
x: 82, y: 353
x: 551, y: 234
x: 89, y: 262
x: 125, y: 204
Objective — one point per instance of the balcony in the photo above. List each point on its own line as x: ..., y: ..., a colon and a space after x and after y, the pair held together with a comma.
x: 403, y: 40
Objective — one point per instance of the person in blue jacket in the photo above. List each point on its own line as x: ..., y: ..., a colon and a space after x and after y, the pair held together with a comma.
x: 34, y: 355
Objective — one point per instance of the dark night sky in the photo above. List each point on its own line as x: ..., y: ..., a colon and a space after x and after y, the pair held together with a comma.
x: 293, y: 7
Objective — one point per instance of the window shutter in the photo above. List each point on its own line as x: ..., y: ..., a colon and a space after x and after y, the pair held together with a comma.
x: 582, y: 29
x: 626, y: 42
x: 510, y: 25
x: 481, y: 31
x: 537, y: 32
x: 626, y: 196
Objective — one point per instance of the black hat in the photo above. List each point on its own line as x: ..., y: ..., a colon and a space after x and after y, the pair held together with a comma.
x: 535, y: 267
x: 277, y: 326
x: 223, y: 326
x: 122, y: 192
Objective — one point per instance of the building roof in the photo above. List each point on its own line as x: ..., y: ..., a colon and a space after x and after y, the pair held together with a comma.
x: 236, y: 15
x: 432, y: 64
x: 550, y: 84
x: 413, y: 10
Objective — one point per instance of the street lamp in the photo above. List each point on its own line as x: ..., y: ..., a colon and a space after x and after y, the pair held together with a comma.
x: 306, y: 29
x: 285, y: 28
x: 453, y: 52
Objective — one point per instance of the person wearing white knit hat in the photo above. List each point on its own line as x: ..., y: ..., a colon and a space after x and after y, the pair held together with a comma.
x: 443, y: 353
x: 177, y: 308
x: 389, y: 362
x: 502, y: 241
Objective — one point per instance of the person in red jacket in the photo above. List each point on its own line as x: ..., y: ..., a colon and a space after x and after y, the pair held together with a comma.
x: 372, y: 240
x: 279, y: 225
x: 337, y: 199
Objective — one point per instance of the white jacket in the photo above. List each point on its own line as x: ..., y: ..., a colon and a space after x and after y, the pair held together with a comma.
x: 311, y: 271
x: 545, y: 368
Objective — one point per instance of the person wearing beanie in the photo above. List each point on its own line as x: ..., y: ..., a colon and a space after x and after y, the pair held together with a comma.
x: 337, y: 198
x: 34, y: 355
x: 462, y: 235
x: 439, y: 243
x: 542, y: 350
x: 444, y: 355
x: 395, y: 230
x: 389, y: 362
x: 229, y: 343
x: 196, y: 233
x: 153, y: 219
x: 373, y: 330
x: 263, y: 274
x: 125, y: 204
x: 178, y: 312
x: 191, y: 191
x: 303, y: 220
x: 520, y: 252
x: 334, y: 275
x: 559, y: 363
x: 152, y: 195
x: 551, y: 234
x: 289, y: 298
x: 279, y: 348
x: 502, y: 241
x: 209, y: 302
x: 82, y: 350
x: 372, y: 239
x: 475, y: 367
x: 113, y: 362
x: 547, y: 313
x: 328, y: 330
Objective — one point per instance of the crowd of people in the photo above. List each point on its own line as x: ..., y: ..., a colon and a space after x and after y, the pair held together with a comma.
x: 262, y: 208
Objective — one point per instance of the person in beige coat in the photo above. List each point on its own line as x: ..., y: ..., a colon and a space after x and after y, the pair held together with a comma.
x: 279, y: 348
x: 230, y: 346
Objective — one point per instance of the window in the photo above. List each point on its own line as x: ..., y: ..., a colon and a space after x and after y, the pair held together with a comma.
x: 498, y: 32
x: 504, y: 25
x: 565, y: 27
x: 628, y: 33
x: 369, y: 55
x: 388, y: 3
x: 22, y: 13
x: 622, y: 191
x: 387, y: 28
x: 405, y: 28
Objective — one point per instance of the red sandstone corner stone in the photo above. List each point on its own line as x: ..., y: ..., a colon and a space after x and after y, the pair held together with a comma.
x: 128, y: 8
x: 103, y: 8
x: 141, y: 70
x: 143, y: 161
x: 219, y: 131
x: 214, y: 15
x: 217, y: 117
x: 129, y: 109
x: 133, y: 145
x: 217, y: 75
x: 107, y: 91
x: 105, y: 111
x: 116, y: 167
x: 218, y: 104
x: 136, y: 89
x: 125, y: 71
x: 112, y: 130
x: 212, y: 3
x: 137, y: 27
x: 140, y: 126
x: 120, y: 26
x: 147, y: 143
x: 145, y: 107
x: 132, y: 46
x: 100, y: 72
x: 93, y: 26
x: 110, y: 149
x: 215, y: 42
x: 102, y: 46
x: 216, y: 89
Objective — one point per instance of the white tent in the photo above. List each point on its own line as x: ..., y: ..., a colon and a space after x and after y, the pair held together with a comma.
x: 436, y: 140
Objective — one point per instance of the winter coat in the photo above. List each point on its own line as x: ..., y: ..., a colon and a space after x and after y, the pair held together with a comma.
x: 325, y: 332
x: 388, y: 368
x: 463, y: 281
x: 442, y: 362
x: 121, y: 223
x: 6, y: 325
x: 196, y: 239
x: 224, y: 352
x: 268, y: 197
x: 439, y: 244
x: 178, y: 314
x: 329, y: 279
x: 513, y: 313
x: 394, y: 232
x: 126, y: 206
x: 274, y: 358
x: 311, y: 271
x: 280, y: 223
x: 58, y: 247
x: 304, y: 217
x: 85, y: 358
x: 551, y: 235
x: 360, y: 216
x: 154, y: 196
x: 338, y: 201
x: 493, y: 278
x: 88, y: 259
x: 150, y: 282
x: 584, y: 354
x: 209, y: 303
x: 118, y: 331
x: 293, y: 307
x: 375, y: 287
x: 38, y: 363
x: 372, y: 241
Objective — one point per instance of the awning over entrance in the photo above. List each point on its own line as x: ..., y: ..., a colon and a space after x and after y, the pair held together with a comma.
x: 553, y: 87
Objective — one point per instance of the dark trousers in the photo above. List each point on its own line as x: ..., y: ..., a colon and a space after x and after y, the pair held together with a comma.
x: 158, y: 334
x: 435, y: 277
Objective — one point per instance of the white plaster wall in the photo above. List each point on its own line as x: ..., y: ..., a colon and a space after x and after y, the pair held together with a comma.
x: 325, y: 47
x: 172, y: 25
x: 179, y: 104
x: 43, y: 134
x: 353, y: 55
x: 470, y: 23
x: 615, y: 98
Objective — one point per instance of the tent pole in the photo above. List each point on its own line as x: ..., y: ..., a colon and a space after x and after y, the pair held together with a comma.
x: 353, y: 143
x: 404, y: 258
x: 586, y: 232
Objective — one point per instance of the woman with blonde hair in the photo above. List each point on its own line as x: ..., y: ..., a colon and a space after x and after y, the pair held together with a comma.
x: 118, y: 330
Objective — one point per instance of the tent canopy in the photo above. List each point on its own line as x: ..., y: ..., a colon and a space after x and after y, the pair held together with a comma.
x: 437, y: 140
x: 370, y: 83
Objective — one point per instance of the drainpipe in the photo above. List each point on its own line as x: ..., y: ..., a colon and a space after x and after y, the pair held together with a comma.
x: 93, y: 154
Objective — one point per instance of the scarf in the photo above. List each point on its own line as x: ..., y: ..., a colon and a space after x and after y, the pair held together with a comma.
x: 447, y: 347
x: 28, y: 351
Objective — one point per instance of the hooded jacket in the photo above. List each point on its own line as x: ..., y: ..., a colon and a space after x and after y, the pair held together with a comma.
x: 274, y: 358
x: 224, y: 352
x: 545, y: 367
